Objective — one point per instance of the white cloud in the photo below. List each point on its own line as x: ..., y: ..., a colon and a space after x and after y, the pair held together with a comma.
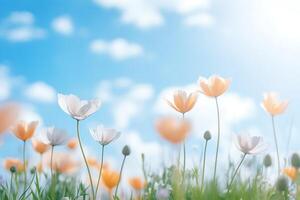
x: 29, y: 113
x: 40, y: 91
x: 63, y: 25
x: 21, y: 17
x: 131, y: 104
x: 149, y: 13
x: 118, y: 49
x: 20, y: 27
x: 126, y: 99
x: 199, y: 20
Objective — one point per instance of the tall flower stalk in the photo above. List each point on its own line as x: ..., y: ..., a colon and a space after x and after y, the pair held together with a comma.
x: 24, y: 164
x: 214, y: 87
x: 207, y: 137
x: 85, y: 161
x: 79, y: 110
x: 103, y: 136
x: 126, y: 152
x: 218, y: 139
x: 272, y: 105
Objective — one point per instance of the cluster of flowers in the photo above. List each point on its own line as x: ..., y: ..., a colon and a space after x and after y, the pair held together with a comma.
x: 174, y: 130
x: 50, y: 137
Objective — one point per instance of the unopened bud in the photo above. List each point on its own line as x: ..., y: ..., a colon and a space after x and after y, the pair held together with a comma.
x: 282, y: 184
x: 13, y: 169
x: 267, y: 161
x: 295, y: 160
x: 126, y: 150
x: 33, y: 170
x: 207, y: 135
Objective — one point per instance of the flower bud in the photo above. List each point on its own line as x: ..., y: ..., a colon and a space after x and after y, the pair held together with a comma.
x: 282, y: 184
x: 33, y: 170
x: 207, y: 135
x: 267, y: 161
x: 13, y: 169
x: 295, y: 160
x: 126, y: 150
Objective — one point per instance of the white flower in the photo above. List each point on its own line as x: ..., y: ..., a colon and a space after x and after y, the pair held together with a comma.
x: 250, y: 144
x: 104, y: 135
x: 54, y: 136
x: 76, y: 108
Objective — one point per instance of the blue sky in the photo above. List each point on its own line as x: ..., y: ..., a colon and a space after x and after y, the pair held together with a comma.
x: 123, y: 50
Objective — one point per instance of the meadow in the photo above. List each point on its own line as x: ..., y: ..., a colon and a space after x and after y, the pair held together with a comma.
x: 56, y: 175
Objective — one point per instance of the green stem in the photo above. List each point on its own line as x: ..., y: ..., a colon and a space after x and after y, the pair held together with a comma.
x: 203, y: 170
x: 218, y: 139
x: 51, y: 161
x: 237, y: 169
x: 184, y: 156
x: 98, y: 181
x: 276, y: 144
x: 121, y: 170
x: 143, y: 168
x: 24, y: 164
x: 87, y: 166
x: 11, y: 183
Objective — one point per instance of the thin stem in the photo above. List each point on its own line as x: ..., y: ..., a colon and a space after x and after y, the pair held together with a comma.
x: 87, y: 166
x: 203, y: 170
x: 218, y: 139
x: 237, y: 169
x: 101, y: 166
x: 24, y: 164
x: 276, y: 144
x: 11, y: 183
x: 121, y: 170
x: 143, y: 168
x: 51, y: 161
x: 184, y: 155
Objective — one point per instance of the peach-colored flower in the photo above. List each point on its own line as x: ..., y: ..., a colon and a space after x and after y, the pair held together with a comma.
x: 137, y: 183
x: 214, y: 86
x: 24, y: 131
x: 39, y: 146
x: 183, y: 102
x: 8, y: 115
x: 64, y: 163
x: 110, y: 178
x: 72, y: 143
x: 13, y: 162
x: 273, y: 105
x: 291, y: 172
x: 92, y: 162
x: 173, y: 129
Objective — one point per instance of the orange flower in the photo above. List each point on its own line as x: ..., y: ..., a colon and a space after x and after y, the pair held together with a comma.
x: 92, y: 162
x: 8, y: 115
x: 214, y: 86
x: 272, y: 105
x: 13, y: 162
x: 110, y: 178
x: 72, y: 143
x: 39, y: 146
x: 25, y: 131
x: 183, y: 102
x: 291, y: 172
x: 63, y: 163
x: 172, y: 129
x: 137, y: 183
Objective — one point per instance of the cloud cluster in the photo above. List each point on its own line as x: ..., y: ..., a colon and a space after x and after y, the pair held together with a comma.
x: 149, y: 13
x: 20, y: 27
x: 63, y: 25
x: 118, y: 49
x: 40, y: 91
